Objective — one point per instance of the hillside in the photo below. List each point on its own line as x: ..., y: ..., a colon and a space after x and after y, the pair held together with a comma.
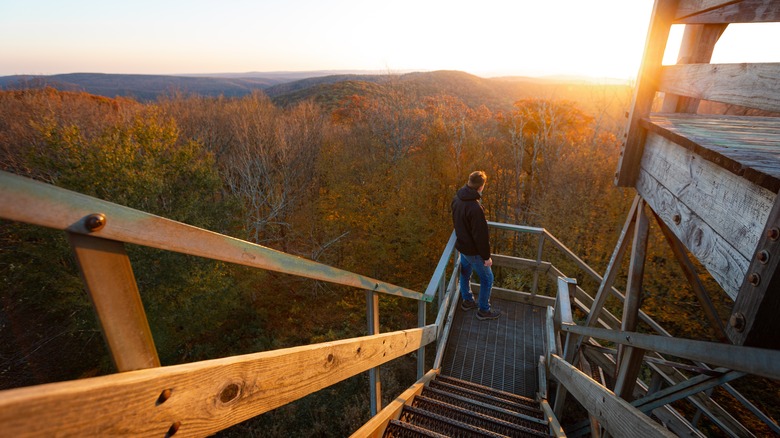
x: 287, y: 89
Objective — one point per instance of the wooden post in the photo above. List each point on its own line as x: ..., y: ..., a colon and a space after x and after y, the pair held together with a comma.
x: 644, y: 94
x: 693, y: 279
x: 540, y: 250
x: 696, y: 48
x: 421, y: 350
x: 629, y: 360
x: 375, y: 384
x: 108, y: 276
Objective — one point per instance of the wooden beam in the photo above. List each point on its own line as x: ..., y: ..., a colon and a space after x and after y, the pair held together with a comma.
x: 745, y: 11
x: 697, y: 46
x: 687, y: 8
x: 374, y: 379
x: 584, y: 365
x: 25, y: 200
x: 693, y: 279
x: 754, y: 317
x: 685, y: 389
x: 556, y: 429
x: 520, y: 263
x: 644, y: 94
x: 517, y: 296
x: 617, y: 416
x: 198, y: 398
x: 108, y: 277
x: 628, y: 371
x: 748, y: 85
x: 375, y: 427
x: 613, y: 267
x: 758, y: 361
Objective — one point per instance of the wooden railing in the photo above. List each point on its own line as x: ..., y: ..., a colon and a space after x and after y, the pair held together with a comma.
x: 201, y: 398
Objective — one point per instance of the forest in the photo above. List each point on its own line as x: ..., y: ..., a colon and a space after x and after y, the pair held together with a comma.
x: 358, y: 176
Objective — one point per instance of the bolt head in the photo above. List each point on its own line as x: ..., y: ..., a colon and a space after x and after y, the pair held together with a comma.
x: 763, y: 256
x: 737, y: 321
x: 773, y: 233
x: 754, y: 279
x: 95, y: 222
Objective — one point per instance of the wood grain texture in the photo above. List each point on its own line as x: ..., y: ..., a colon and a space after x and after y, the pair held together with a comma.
x: 759, y: 300
x: 617, y: 416
x: 205, y: 397
x: 645, y: 90
x: 721, y: 11
x: 726, y: 265
x: 107, y: 274
x: 746, y: 146
x: 749, y: 85
x: 687, y: 8
x: 25, y: 200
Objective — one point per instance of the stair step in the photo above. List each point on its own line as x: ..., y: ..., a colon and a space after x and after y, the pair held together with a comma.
x: 522, y: 408
x: 442, y: 424
x: 474, y: 418
x: 493, y: 411
x: 489, y: 391
x: 399, y: 429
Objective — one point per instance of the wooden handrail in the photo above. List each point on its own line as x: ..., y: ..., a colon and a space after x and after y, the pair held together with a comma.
x: 196, y: 399
x: 26, y: 200
x: 759, y: 361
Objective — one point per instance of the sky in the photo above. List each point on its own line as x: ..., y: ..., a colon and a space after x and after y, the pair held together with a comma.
x: 599, y: 38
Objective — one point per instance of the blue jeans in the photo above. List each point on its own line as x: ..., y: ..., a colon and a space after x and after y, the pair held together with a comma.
x: 468, y: 264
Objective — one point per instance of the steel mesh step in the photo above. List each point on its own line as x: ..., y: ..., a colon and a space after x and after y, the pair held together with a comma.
x: 489, y: 399
x: 442, y: 424
x: 399, y: 429
x: 486, y: 409
x: 489, y: 391
x: 473, y: 418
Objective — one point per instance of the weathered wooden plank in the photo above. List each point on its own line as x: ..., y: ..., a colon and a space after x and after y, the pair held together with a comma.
x: 644, y: 93
x: 754, y: 318
x: 733, y: 207
x: 749, y: 85
x: 720, y: 11
x: 617, y: 416
x: 25, y: 200
x: 519, y: 263
x: 374, y: 379
x: 517, y: 296
x: 689, y: 270
x: 556, y: 429
x: 759, y: 361
x: 697, y: 46
x: 375, y: 427
x: 200, y: 398
x: 745, y: 146
x: 107, y: 274
x: 693, y: 7
x: 726, y: 265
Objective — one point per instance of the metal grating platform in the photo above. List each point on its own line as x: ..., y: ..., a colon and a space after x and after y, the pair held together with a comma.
x: 503, y: 353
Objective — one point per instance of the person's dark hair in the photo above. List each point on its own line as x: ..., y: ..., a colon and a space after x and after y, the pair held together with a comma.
x: 477, y: 179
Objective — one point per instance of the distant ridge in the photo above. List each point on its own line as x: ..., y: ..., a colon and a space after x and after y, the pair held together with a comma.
x: 325, y: 87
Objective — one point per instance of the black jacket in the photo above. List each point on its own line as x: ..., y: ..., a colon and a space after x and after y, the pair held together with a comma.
x: 470, y: 224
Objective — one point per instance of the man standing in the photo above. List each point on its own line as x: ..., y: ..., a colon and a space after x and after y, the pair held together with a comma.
x: 473, y: 243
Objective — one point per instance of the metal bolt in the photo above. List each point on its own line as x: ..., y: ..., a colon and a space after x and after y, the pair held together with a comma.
x: 737, y: 321
x: 164, y: 396
x: 754, y: 279
x: 763, y: 256
x: 677, y: 219
x: 773, y: 233
x: 173, y: 429
x: 95, y: 222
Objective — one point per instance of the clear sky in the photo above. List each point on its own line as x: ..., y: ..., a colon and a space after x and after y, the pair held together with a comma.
x: 600, y: 38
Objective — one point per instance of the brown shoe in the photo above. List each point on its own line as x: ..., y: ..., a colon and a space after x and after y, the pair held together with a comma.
x: 467, y: 305
x: 490, y: 314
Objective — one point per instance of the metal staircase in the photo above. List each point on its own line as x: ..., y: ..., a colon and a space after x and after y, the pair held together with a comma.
x: 454, y: 407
